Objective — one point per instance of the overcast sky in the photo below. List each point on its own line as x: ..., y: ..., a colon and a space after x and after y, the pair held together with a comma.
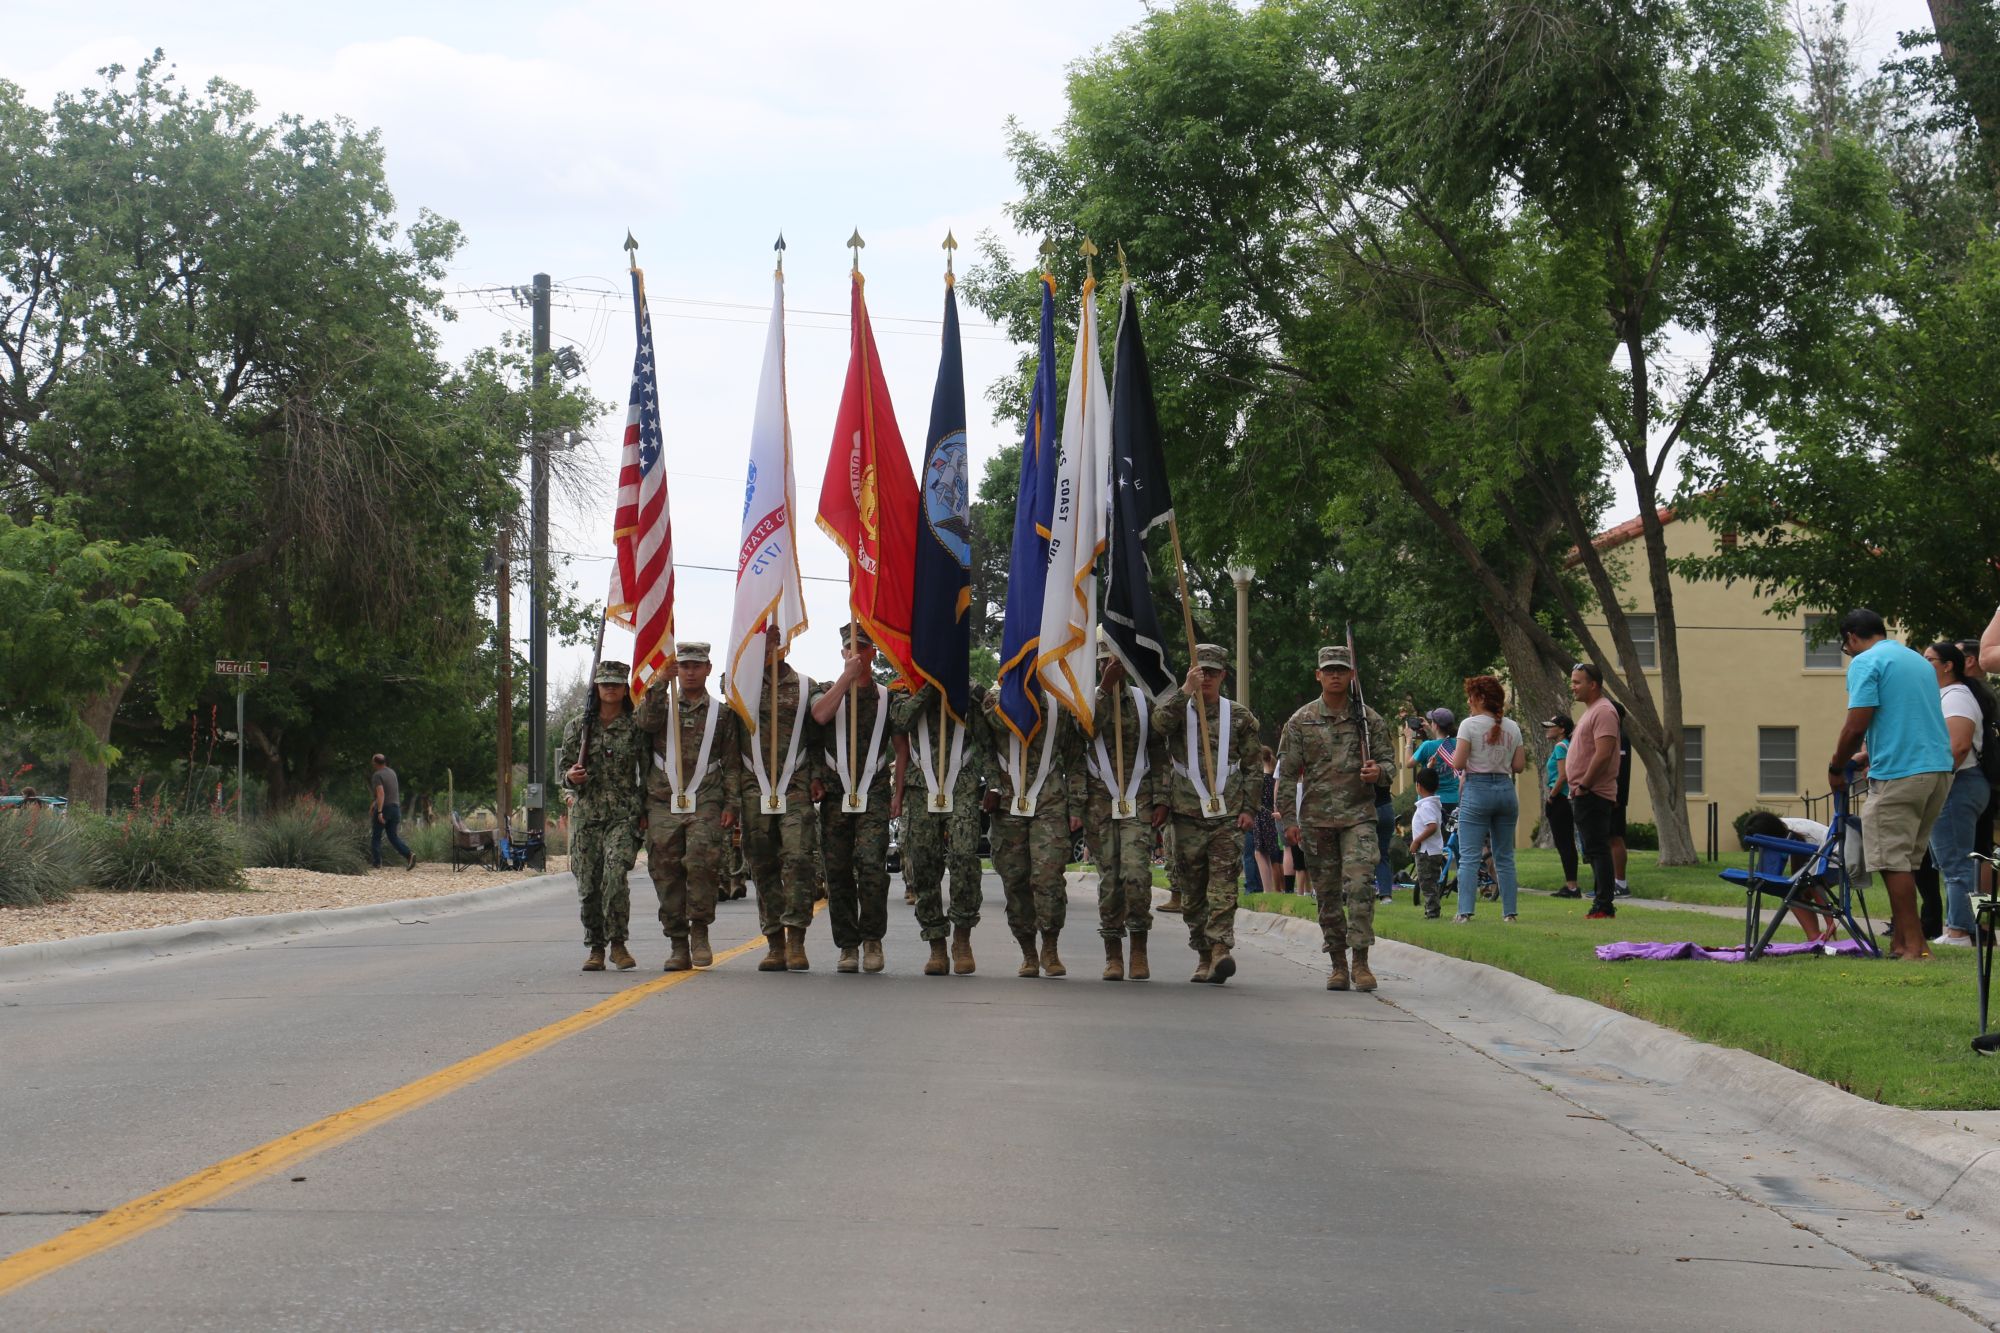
x: 547, y: 130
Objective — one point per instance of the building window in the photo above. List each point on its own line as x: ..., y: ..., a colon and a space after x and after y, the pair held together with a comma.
x: 1822, y: 656
x: 1777, y: 761
x: 1645, y: 640
x: 1691, y: 757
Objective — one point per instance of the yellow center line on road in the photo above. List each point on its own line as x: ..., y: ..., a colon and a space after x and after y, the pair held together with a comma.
x: 131, y: 1220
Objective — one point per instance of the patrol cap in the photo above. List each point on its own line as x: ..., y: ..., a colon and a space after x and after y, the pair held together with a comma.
x: 687, y: 650
x: 1211, y: 656
x: 1335, y: 655
x: 612, y: 673
x: 848, y: 632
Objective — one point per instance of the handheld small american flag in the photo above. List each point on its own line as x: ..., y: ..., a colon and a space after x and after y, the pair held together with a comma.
x: 642, y: 577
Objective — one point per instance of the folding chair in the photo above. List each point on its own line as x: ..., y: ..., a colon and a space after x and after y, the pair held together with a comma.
x: 516, y: 853
x: 471, y: 846
x: 1986, y: 920
x: 1822, y: 885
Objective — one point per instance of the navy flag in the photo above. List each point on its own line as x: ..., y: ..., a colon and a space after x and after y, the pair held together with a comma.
x: 1140, y: 502
x: 940, y: 624
x: 1028, y: 559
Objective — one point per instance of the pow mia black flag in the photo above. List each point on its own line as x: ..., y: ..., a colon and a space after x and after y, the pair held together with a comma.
x: 1140, y: 502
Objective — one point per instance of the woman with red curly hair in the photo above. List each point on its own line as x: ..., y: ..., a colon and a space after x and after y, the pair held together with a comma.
x: 1488, y: 756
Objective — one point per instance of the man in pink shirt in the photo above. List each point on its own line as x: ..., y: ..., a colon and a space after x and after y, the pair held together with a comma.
x: 1592, y: 769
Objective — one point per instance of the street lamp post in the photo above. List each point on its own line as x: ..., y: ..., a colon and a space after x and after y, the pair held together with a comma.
x: 1242, y: 574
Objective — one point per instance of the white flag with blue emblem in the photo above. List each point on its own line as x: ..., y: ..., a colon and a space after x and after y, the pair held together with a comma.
x: 1067, y: 656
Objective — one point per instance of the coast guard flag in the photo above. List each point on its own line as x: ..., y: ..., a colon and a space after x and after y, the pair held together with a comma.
x: 1028, y: 560
x: 1067, y: 657
x: 642, y: 576
x: 940, y: 628
x: 767, y: 557
x: 868, y: 498
x: 1140, y: 502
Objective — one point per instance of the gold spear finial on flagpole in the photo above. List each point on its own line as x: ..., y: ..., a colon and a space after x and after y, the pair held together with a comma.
x: 780, y: 248
x: 950, y: 244
x: 1124, y: 274
x: 857, y: 245
x: 631, y: 251
x: 1089, y: 252
x: 1049, y: 256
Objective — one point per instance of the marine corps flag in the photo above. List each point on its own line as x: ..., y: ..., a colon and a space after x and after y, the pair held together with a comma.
x: 1028, y: 558
x: 868, y: 498
x: 941, y: 631
x: 1140, y: 502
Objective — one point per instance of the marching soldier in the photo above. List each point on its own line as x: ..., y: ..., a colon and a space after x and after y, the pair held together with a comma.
x: 1328, y: 772
x: 778, y: 786
x: 1214, y: 802
x: 694, y: 794
x: 1036, y: 811
x: 610, y: 802
x: 941, y: 823
x: 1127, y: 802
x: 864, y: 791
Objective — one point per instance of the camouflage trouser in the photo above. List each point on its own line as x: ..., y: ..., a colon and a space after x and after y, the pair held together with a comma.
x: 933, y: 843
x: 684, y: 855
x: 1210, y: 855
x: 857, y: 870
x: 601, y: 855
x: 780, y: 850
x: 1123, y: 851
x: 1430, y: 871
x: 1343, y: 873
x: 1029, y: 854
x: 1173, y: 862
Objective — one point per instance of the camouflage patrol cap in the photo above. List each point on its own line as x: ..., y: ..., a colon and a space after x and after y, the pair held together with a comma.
x: 848, y: 632
x: 687, y: 650
x: 1335, y: 655
x: 1211, y: 655
x: 612, y: 673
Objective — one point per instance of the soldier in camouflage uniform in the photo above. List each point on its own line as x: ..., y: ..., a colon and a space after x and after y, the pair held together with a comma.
x: 1326, y: 802
x: 1209, y: 825
x: 864, y: 790
x: 1037, y: 809
x: 780, y: 844
x: 1128, y: 800
x: 688, y: 821
x: 610, y: 802
x: 936, y: 840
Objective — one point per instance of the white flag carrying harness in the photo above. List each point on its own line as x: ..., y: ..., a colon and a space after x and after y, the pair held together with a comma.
x: 684, y: 799
x: 854, y: 798
x: 1024, y: 802
x: 1124, y: 803
x: 1211, y: 805
x: 771, y: 800
x: 940, y: 788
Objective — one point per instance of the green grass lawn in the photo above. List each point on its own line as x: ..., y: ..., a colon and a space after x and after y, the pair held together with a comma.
x: 1540, y: 869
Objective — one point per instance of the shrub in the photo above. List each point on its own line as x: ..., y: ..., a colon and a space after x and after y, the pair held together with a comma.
x: 309, y: 835
x: 1642, y: 838
x: 431, y: 842
x: 148, y: 849
x: 42, y: 858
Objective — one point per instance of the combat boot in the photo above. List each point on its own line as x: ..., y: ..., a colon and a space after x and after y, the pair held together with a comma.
x: 699, y: 952
x: 1031, y: 964
x: 939, y: 963
x: 909, y: 897
x: 1140, y: 969
x: 774, y: 961
x: 1364, y: 978
x: 595, y: 963
x: 1221, y: 967
x: 1336, y: 977
x: 621, y: 957
x: 871, y: 956
x: 1114, y: 959
x: 1201, y: 967
x: 1174, y: 904
x: 961, y: 950
x: 1052, y: 963
x: 850, y: 959
x: 678, y: 960
x: 795, y: 949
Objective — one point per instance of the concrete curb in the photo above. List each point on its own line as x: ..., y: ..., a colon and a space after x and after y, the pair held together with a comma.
x: 20, y: 962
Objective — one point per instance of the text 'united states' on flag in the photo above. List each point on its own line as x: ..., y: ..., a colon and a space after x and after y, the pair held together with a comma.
x: 642, y: 575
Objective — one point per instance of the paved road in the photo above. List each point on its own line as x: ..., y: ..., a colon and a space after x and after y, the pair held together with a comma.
x: 824, y: 1151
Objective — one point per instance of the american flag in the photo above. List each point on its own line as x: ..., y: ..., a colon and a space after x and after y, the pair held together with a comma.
x: 642, y: 578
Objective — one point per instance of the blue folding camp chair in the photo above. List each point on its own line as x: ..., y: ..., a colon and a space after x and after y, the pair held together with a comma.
x: 1822, y: 884
x: 517, y: 853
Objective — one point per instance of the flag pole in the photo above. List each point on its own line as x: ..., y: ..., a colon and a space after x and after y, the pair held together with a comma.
x: 856, y: 244
x: 789, y: 518
x: 673, y: 677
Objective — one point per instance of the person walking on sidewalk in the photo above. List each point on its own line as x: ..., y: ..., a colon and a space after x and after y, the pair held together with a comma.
x: 1592, y: 770
x: 1489, y: 754
x: 1327, y: 773
x: 610, y: 805
x: 1555, y: 799
x: 386, y: 813
x: 693, y: 789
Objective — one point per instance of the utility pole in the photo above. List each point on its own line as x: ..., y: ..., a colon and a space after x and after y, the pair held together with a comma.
x: 538, y: 576
x: 504, y: 778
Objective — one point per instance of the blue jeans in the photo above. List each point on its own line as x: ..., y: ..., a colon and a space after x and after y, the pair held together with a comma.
x: 1252, y: 878
x: 1385, y: 832
x: 1951, y: 845
x: 392, y: 815
x: 1488, y: 809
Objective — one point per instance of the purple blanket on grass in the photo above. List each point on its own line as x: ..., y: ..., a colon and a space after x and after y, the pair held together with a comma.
x: 1624, y: 951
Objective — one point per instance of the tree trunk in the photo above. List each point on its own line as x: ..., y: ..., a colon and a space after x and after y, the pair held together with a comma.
x: 1670, y: 807
x: 89, y: 779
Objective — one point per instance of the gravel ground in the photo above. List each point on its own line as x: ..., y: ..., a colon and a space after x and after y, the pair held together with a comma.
x: 271, y: 892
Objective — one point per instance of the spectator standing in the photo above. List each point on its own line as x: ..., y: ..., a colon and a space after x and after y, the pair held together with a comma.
x: 1893, y: 717
x: 1982, y: 690
x: 1591, y: 768
x: 385, y: 813
x: 1488, y: 755
x: 1427, y: 841
x: 1952, y: 837
x: 1435, y: 754
x: 1555, y: 800
x: 1624, y: 800
x: 1266, y: 841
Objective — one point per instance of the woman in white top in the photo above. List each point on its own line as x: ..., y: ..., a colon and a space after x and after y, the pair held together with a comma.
x: 1488, y: 756
x: 1951, y: 836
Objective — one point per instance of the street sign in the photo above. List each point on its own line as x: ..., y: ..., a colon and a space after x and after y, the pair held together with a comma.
x: 223, y: 667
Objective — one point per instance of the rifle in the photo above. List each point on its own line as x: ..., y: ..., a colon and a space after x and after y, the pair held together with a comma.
x: 1360, y: 701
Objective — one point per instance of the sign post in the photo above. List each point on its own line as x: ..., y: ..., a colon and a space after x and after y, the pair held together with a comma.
x: 242, y: 671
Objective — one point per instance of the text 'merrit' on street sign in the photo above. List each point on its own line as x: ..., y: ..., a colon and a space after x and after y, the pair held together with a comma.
x: 224, y: 667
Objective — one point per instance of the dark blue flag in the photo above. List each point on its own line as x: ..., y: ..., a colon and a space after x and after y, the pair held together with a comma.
x: 1028, y: 558
x: 1140, y: 502
x: 940, y: 626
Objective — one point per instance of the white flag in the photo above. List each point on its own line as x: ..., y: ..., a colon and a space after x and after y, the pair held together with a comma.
x: 767, y: 559
x: 1067, y: 658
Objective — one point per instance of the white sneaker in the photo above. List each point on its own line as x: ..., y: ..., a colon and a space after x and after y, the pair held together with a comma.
x: 1461, y: 918
x: 1948, y: 938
